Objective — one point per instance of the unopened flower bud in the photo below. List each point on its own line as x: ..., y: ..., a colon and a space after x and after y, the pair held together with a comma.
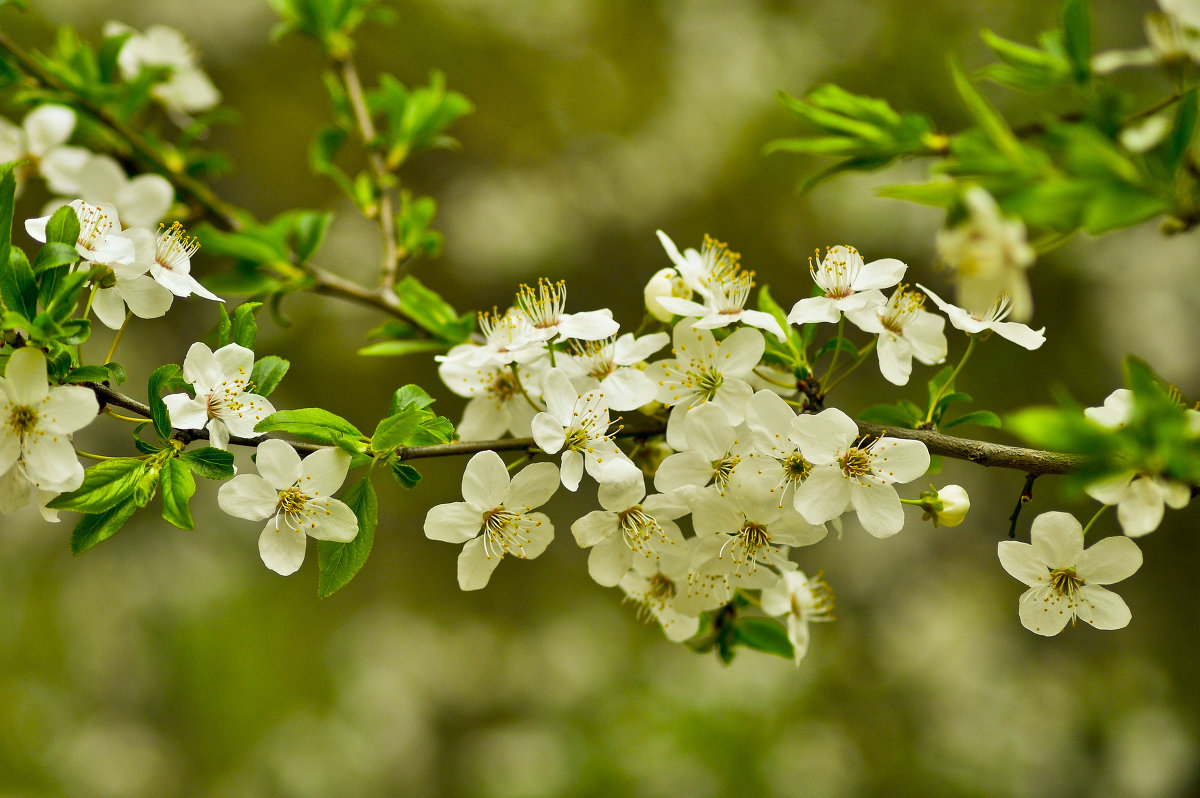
x: 946, y: 507
x: 665, y: 282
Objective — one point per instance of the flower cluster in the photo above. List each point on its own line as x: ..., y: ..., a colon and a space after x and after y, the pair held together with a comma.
x: 748, y: 468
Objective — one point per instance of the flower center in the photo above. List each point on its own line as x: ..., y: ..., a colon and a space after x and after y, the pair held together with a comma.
x: 855, y: 463
x: 173, y: 248
x: 292, y: 500
x: 637, y: 527
x: 721, y: 264
x: 708, y: 382
x: 836, y: 273
x: 94, y: 224
x: 729, y: 296
x: 23, y: 420
x: 901, y: 309
x: 747, y: 546
x: 544, y: 308
x: 596, y: 357
x: 1065, y: 582
x: 723, y: 470
x: 506, y: 532
x: 504, y: 387
x: 795, y: 468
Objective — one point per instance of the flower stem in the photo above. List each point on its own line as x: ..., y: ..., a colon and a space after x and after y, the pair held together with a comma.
x: 112, y: 350
x: 862, y: 356
x: 109, y: 411
x: 1095, y: 517
x: 91, y: 456
x: 953, y: 375
x: 837, y: 349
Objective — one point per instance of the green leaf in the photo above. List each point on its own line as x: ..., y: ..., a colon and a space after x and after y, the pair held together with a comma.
x: 255, y: 245
x: 409, y: 396
x: 397, y: 430
x: 836, y: 343
x: 398, y: 348
x: 1183, y: 134
x: 87, y: 374
x: 1077, y: 37
x: 160, y: 378
x: 891, y: 415
x: 988, y: 119
x: 406, y: 475
x: 430, y: 311
x: 178, y: 486
x: 209, y: 462
x: 308, y: 232
x: 245, y: 326
x: 313, y: 423
x: 339, y: 562
x: 93, y: 529
x: 982, y: 418
x: 53, y: 255
x: 763, y: 634
x: 63, y: 227
x: 267, y: 373
x: 105, y: 485
x: 17, y: 287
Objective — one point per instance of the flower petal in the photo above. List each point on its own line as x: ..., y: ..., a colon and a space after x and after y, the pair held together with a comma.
x: 248, y: 496
x: 278, y: 463
x: 879, y: 509
x: 1109, y: 560
x: 281, y: 548
x: 456, y: 522
x: 475, y: 565
x: 1043, y: 611
x: 609, y: 561
x: 323, y: 472
x: 1057, y: 539
x: 531, y: 487
x: 485, y: 481
x: 1020, y: 561
x: 1102, y: 608
x: 334, y: 521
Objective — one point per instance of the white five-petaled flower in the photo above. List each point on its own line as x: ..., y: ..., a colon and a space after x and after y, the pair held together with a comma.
x: 187, y: 89
x: 608, y: 365
x: 630, y: 524
x: 1140, y: 498
x: 296, y: 498
x: 1065, y: 579
x: 36, y: 422
x: 40, y: 139
x: 905, y: 331
x: 578, y: 427
x: 495, y: 518
x: 142, y: 200
x: 127, y: 253
x: 544, y: 309
x: 723, y: 285
x: 989, y: 255
x: 705, y: 370
x: 508, y: 338
x: 659, y: 587
x: 499, y: 402
x: 992, y: 319
x: 802, y: 600
x: 172, y: 267
x: 848, y: 284
x: 714, y: 455
x: 848, y: 473
x: 224, y: 401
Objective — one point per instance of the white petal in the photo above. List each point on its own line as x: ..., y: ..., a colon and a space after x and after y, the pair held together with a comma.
x: 609, y: 561
x: 323, y: 472
x: 1020, y: 561
x: 109, y: 307
x: 572, y: 470
x: 456, y: 522
x: 248, y: 496
x: 485, y: 481
x: 683, y: 468
x: 532, y: 486
x: 51, y: 460
x: 48, y: 126
x: 186, y: 412
x: 1057, y: 539
x: 1044, y: 611
x: 548, y: 433
x: 823, y: 496
x: 338, y: 524
x: 895, y: 358
x: 1141, y: 507
x: 145, y: 297
x: 68, y: 408
x: 281, y: 548
x: 594, y: 527
x: 475, y: 565
x: 879, y: 509
x: 1102, y: 608
x: 591, y: 325
x: 278, y: 463
x: 814, y: 309
x: 740, y: 352
x: 882, y: 273
x: 25, y: 377
x: 1109, y: 560
x: 144, y: 200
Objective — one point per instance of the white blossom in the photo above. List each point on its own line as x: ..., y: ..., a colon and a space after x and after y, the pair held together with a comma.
x: 141, y: 201
x: 715, y: 451
x: 578, y: 427
x: 663, y: 589
x: 630, y: 524
x: 544, y: 309
x: 499, y: 402
x: 41, y: 139
x: 989, y: 255
x: 849, y: 473
x: 611, y: 367
x: 296, y: 498
x: 705, y: 370
x: 187, y: 89
x: 36, y: 422
x: 802, y: 600
x: 495, y: 518
x: 905, y: 331
x: 990, y: 320
x: 1065, y: 580
x: 847, y: 284
x: 225, y: 401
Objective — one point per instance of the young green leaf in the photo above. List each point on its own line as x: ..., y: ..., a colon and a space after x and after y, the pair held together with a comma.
x: 105, y: 485
x: 93, y: 529
x: 160, y: 378
x: 208, y: 462
x: 763, y: 634
x: 339, y: 562
x: 268, y: 371
x: 178, y: 486
x: 313, y: 423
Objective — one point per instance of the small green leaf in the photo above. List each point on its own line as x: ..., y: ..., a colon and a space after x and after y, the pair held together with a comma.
x: 891, y: 415
x: 267, y: 373
x: 53, y: 255
x: 981, y: 418
x: 763, y: 634
x: 63, y: 227
x: 17, y: 286
x: 1077, y: 37
x: 87, y: 374
x: 399, y: 348
x: 339, y: 562
x: 409, y: 395
x: 245, y: 326
x: 105, y: 485
x: 986, y: 116
x: 397, y: 430
x: 178, y: 486
x: 209, y: 462
x: 159, y: 378
x: 406, y: 475
x: 93, y: 529
x: 434, y: 314
x: 313, y: 423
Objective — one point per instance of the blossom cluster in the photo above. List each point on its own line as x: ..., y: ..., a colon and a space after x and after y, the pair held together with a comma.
x: 749, y: 464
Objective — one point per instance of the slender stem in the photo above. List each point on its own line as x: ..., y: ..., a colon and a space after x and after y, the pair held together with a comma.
x: 862, y: 357
x: 837, y: 350
x: 953, y: 375
x: 110, y: 412
x: 516, y: 372
x: 765, y: 375
x: 1095, y: 518
x: 91, y: 456
x: 112, y: 350
x: 515, y: 464
x: 382, y: 176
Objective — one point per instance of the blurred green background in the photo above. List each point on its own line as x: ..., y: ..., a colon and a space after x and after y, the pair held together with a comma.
x: 170, y: 663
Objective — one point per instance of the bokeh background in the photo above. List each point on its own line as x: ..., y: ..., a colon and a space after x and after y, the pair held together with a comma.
x: 170, y: 663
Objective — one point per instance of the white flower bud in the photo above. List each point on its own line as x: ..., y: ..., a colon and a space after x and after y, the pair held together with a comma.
x: 665, y: 282
x: 954, y: 505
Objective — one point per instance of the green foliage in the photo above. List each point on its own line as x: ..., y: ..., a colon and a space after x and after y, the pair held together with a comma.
x: 413, y: 227
x: 432, y: 313
x: 93, y: 529
x: 340, y: 562
x: 314, y: 424
x: 267, y: 374
x: 105, y: 485
x: 178, y: 486
x: 160, y: 378
x: 1159, y: 438
x: 415, y: 120
x: 789, y: 353
x: 331, y: 22
x: 724, y: 629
